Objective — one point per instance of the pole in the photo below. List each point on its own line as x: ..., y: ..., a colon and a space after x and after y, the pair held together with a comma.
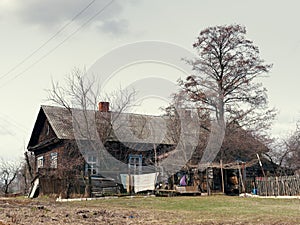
x: 260, y: 164
x: 207, y: 182
x: 241, y: 179
x: 222, y: 176
x: 262, y: 169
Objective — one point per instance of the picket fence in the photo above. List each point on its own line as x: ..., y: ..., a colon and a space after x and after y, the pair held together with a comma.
x: 278, y: 186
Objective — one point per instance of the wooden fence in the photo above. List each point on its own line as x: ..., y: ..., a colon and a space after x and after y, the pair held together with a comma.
x: 278, y: 186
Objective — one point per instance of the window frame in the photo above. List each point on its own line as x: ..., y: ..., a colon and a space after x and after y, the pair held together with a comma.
x: 53, y: 160
x: 91, y: 164
x: 39, y: 162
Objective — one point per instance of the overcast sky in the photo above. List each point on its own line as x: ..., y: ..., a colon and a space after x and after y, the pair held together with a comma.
x: 44, y: 40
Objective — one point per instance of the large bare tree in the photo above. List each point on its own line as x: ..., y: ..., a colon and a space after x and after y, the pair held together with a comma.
x: 225, y: 79
x: 225, y: 72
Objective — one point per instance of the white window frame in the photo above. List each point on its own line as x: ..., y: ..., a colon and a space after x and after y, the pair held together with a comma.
x: 53, y: 160
x: 39, y: 162
x: 92, y: 164
x: 135, y: 163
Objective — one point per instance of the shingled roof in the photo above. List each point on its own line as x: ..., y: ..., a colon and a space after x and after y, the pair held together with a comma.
x: 126, y: 127
x: 60, y: 120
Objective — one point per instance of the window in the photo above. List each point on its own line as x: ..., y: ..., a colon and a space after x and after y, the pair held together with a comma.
x: 39, y: 162
x: 135, y: 163
x: 53, y: 160
x: 92, y: 164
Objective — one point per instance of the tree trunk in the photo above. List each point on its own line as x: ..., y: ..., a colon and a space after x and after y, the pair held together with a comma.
x: 88, y: 186
x: 28, y: 165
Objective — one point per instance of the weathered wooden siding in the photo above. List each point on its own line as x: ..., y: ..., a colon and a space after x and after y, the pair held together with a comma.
x: 46, y: 133
x: 53, y: 185
x: 59, y: 149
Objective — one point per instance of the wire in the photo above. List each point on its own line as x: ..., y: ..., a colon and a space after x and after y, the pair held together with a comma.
x: 61, y: 43
x: 9, y: 120
x: 46, y: 42
x: 7, y: 131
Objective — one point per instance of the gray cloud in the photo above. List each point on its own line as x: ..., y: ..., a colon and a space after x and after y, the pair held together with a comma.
x: 117, y: 27
x: 52, y: 14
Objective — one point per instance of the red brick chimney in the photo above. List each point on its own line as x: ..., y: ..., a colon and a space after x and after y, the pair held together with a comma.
x: 103, y: 106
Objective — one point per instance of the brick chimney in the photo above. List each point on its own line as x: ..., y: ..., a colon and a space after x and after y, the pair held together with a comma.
x: 103, y: 106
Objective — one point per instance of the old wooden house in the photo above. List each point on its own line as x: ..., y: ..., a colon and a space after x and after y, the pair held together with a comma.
x: 64, y: 155
x: 76, y: 150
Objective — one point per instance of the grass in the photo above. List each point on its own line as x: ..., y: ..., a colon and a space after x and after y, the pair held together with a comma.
x: 223, y: 209
x: 217, y: 210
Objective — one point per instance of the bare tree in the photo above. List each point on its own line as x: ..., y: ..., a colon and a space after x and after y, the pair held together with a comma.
x: 224, y: 79
x: 293, y: 149
x: 286, y: 152
x: 26, y: 171
x: 80, y: 95
x: 8, y: 174
x: 224, y: 75
x: 83, y: 93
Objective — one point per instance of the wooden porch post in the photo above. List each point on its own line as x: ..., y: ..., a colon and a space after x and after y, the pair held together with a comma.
x: 222, y: 176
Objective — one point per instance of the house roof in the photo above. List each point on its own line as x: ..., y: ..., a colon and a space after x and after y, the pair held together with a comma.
x: 69, y: 124
x: 60, y: 120
x: 134, y: 130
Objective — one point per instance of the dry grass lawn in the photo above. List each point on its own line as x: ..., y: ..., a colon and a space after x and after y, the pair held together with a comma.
x: 152, y: 210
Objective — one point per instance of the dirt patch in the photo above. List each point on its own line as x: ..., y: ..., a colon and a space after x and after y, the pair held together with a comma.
x: 28, y: 212
x: 34, y: 212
